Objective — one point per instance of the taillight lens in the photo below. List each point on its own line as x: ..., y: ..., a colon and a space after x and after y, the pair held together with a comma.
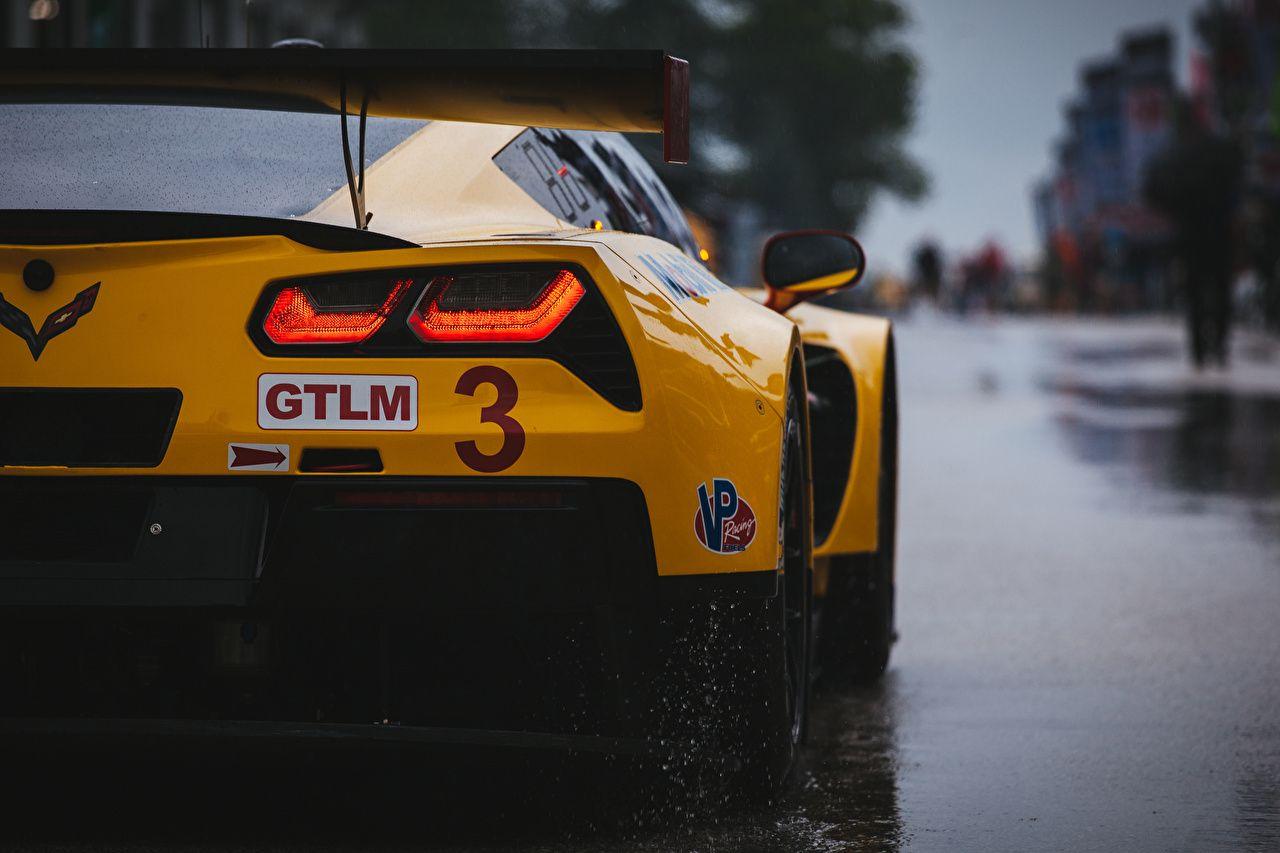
x: 332, y: 313
x: 506, y: 306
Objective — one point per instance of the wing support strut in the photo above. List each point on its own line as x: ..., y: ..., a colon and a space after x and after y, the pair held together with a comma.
x: 355, y: 183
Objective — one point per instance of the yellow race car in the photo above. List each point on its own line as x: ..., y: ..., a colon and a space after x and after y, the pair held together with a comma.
x: 383, y: 392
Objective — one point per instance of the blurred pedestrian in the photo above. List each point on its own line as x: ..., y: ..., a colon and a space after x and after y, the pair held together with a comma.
x: 984, y: 279
x: 1195, y: 182
x: 927, y: 261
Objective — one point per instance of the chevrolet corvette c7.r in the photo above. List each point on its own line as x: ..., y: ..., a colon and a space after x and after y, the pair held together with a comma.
x: 385, y: 392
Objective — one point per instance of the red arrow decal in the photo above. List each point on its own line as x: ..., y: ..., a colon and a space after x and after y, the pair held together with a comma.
x: 246, y: 456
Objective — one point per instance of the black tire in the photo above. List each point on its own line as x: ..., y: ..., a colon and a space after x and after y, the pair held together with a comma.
x: 735, y: 686
x: 858, y: 630
x: 794, y: 603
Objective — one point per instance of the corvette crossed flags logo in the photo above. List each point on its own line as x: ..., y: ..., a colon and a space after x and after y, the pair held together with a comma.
x: 16, y: 320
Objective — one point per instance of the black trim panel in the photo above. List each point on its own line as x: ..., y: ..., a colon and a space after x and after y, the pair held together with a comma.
x: 87, y: 427
x: 81, y: 227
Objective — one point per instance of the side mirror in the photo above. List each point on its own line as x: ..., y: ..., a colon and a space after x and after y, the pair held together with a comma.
x: 801, y: 265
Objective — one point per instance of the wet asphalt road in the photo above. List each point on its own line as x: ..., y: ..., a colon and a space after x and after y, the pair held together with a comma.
x: 1089, y: 609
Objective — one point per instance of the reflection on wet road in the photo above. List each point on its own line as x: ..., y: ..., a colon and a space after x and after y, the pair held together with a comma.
x: 1089, y: 604
x: 1090, y: 581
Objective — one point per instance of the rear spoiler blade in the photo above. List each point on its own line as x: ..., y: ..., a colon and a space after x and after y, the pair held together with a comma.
x: 644, y: 91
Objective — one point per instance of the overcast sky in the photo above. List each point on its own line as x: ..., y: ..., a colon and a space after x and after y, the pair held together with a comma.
x: 993, y: 79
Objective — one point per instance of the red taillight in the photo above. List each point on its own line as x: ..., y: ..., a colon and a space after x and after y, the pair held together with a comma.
x: 338, y: 313
x: 520, y: 306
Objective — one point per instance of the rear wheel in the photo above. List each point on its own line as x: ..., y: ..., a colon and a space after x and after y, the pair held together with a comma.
x: 736, y: 682
x: 858, y: 610
x: 795, y: 591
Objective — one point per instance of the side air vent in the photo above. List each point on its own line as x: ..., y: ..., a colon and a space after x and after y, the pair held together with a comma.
x: 833, y: 428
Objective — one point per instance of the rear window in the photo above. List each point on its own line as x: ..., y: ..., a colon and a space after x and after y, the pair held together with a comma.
x: 178, y: 159
x: 584, y: 177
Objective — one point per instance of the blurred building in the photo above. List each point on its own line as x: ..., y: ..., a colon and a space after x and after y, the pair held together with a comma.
x: 1104, y: 248
x: 1107, y: 249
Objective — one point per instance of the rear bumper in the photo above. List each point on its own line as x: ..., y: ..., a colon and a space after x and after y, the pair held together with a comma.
x: 495, y: 604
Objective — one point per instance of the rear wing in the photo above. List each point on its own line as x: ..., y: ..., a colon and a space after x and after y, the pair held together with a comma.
x: 644, y: 91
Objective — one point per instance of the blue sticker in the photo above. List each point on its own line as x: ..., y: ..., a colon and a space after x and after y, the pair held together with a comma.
x: 683, y: 277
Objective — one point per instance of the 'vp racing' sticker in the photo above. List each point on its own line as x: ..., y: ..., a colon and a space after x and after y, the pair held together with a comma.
x: 725, y: 522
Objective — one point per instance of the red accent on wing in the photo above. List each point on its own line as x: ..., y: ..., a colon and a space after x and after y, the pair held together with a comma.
x: 675, y: 110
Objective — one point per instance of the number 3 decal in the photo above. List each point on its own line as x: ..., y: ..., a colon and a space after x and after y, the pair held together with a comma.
x: 497, y: 413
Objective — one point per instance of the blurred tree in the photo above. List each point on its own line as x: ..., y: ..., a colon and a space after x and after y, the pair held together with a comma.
x: 819, y: 95
x: 412, y: 23
x: 798, y: 108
